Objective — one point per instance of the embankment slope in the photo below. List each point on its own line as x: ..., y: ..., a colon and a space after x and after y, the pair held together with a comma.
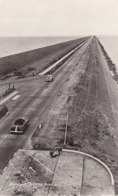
x: 38, y: 58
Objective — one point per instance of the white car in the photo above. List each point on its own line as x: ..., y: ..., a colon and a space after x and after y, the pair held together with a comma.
x: 49, y: 78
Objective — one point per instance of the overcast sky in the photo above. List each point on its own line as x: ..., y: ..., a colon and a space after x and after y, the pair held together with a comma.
x: 58, y: 17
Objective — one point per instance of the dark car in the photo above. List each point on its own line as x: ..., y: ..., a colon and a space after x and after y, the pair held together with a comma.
x: 20, y: 125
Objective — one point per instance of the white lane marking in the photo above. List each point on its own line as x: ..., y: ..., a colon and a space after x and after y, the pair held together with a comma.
x: 3, y: 137
x: 8, y: 97
x: 16, y: 97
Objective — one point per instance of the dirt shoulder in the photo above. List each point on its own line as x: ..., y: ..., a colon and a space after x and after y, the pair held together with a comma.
x: 91, y: 124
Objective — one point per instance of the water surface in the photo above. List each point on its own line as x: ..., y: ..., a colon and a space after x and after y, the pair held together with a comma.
x: 111, y: 46
x: 14, y: 45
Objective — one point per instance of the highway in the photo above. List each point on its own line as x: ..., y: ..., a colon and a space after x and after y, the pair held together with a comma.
x: 34, y: 102
x: 81, y: 90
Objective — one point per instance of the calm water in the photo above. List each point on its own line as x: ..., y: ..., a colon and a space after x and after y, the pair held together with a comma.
x: 111, y: 46
x: 14, y: 45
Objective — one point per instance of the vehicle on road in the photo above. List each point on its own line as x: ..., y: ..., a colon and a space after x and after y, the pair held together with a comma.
x: 20, y: 125
x: 49, y: 78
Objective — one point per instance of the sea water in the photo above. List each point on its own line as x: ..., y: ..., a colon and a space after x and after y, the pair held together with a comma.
x: 14, y: 45
x: 110, y: 44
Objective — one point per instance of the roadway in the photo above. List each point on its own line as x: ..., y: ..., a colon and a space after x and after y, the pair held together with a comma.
x: 35, y: 100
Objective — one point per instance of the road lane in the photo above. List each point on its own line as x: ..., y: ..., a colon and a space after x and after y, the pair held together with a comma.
x: 34, y: 107
x: 4, y: 100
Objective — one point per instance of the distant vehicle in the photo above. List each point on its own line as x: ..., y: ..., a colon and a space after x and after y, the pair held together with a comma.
x: 49, y: 78
x: 19, y: 125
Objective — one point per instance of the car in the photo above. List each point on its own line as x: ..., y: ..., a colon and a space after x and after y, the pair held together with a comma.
x: 49, y: 78
x: 19, y: 125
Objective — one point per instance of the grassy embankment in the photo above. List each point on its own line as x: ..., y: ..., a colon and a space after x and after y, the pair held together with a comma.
x: 36, y: 60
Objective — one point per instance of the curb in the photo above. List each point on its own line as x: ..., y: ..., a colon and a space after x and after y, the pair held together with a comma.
x: 96, y: 159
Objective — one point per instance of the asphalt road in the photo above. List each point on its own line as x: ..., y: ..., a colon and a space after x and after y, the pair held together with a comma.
x: 35, y: 101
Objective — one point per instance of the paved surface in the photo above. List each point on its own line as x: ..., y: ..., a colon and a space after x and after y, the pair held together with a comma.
x: 35, y: 101
x: 4, y: 100
x: 68, y: 174
x: 34, y: 172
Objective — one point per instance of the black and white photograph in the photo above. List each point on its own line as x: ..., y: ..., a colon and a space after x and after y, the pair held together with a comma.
x: 58, y: 97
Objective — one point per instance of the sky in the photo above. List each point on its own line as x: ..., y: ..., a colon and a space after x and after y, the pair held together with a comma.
x: 58, y: 17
